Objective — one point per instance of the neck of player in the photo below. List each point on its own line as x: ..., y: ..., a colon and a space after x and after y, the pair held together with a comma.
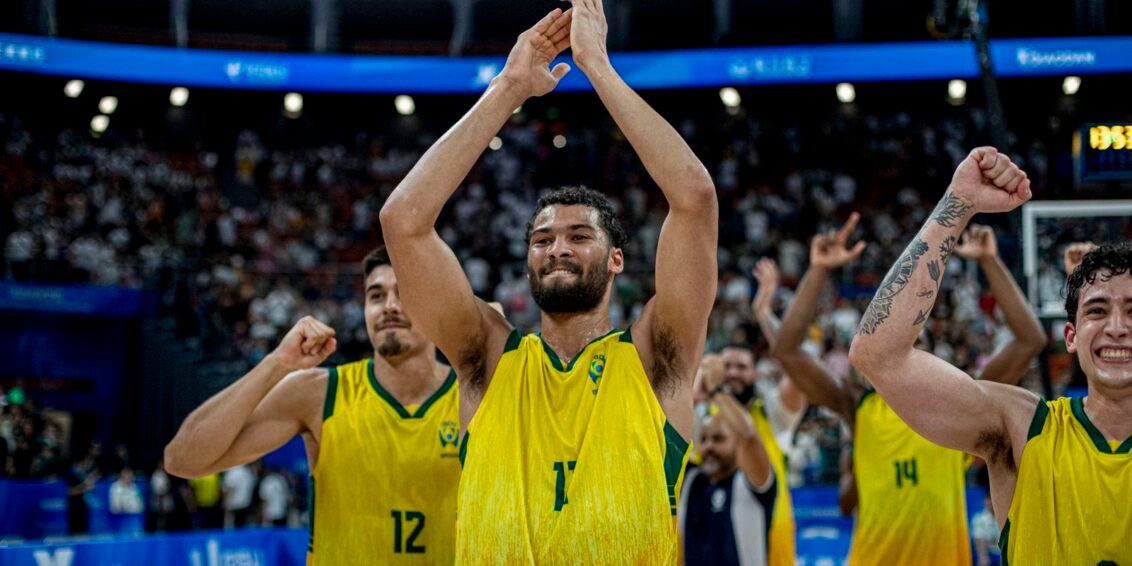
x: 1110, y: 411
x: 567, y: 334
x: 411, y: 377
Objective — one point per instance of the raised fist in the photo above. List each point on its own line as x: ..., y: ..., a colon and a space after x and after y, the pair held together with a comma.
x: 977, y: 243
x: 986, y: 181
x: 829, y: 250
x: 1074, y: 254
x: 306, y: 345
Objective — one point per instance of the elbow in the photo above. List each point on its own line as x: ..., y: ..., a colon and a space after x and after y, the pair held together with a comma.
x: 175, y: 464
x: 697, y: 192
x: 864, y: 355
x: 398, y: 219
x: 1036, y: 342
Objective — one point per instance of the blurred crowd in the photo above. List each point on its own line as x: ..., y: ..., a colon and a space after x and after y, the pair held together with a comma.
x: 241, y: 242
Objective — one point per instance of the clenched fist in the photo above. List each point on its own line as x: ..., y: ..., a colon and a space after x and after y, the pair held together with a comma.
x: 306, y: 345
x: 986, y: 181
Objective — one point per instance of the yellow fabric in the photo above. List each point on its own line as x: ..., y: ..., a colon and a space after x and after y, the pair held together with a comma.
x: 780, y: 540
x: 1071, y: 500
x: 206, y: 490
x: 570, y: 463
x: 911, y: 502
x: 380, y: 465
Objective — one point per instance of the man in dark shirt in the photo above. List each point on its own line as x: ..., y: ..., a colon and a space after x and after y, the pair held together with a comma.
x: 727, y: 502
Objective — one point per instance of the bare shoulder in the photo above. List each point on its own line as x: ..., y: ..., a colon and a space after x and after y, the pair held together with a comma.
x: 1016, y: 406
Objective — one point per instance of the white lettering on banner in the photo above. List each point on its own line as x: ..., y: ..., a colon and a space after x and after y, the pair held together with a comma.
x: 1031, y: 58
x: 236, y: 557
x: 771, y: 67
x: 256, y: 72
x: 60, y: 557
x: 18, y: 53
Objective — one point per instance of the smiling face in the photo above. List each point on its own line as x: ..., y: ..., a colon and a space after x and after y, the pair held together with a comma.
x: 390, y: 331
x: 570, y: 261
x: 717, y: 448
x: 1101, y: 334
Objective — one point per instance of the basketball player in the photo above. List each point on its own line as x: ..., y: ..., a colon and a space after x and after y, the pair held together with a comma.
x: 575, y: 444
x: 1060, y: 470
x: 910, y: 492
x: 380, y: 434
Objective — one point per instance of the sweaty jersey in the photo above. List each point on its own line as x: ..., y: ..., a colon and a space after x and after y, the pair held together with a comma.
x: 780, y: 541
x: 384, y: 486
x: 1072, y: 498
x: 911, y: 502
x: 570, y: 461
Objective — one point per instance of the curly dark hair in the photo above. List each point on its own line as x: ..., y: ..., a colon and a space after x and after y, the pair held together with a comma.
x: 375, y: 259
x: 574, y: 195
x: 1112, y: 259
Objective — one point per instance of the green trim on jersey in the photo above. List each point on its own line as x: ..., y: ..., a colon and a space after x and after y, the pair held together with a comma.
x: 628, y: 335
x: 464, y: 448
x: 1041, y: 412
x: 1004, y: 542
x: 675, y: 451
x: 864, y: 395
x: 331, y: 394
x: 513, y: 340
x: 1078, y: 406
x: 397, y: 406
x: 558, y: 363
x: 310, y: 505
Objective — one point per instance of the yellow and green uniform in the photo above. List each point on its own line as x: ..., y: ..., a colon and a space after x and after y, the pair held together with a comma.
x: 1071, y: 499
x: 384, y: 486
x: 911, y: 501
x: 570, y: 462
x: 780, y: 540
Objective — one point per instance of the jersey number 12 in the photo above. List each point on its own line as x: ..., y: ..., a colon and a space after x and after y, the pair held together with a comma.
x: 400, y: 518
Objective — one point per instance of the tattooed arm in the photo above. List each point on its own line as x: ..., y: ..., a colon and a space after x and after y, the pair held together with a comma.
x: 933, y: 397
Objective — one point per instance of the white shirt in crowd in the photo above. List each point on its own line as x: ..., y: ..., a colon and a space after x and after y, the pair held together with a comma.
x: 125, y: 498
x: 239, y: 482
x: 275, y: 495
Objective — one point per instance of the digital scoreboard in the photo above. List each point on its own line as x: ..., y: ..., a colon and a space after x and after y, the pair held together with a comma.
x: 1103, y: 152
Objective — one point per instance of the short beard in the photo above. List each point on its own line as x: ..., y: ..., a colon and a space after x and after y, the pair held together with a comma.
x: 391, y: 346
x: 582, y: 296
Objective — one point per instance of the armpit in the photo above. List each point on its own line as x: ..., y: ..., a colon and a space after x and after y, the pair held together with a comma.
x: 996, y: 445
x: 667, y: 366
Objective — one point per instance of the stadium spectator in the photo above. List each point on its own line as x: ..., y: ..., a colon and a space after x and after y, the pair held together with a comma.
x: 275, y: 495
x: 239, y: 489
x: 126, y: 504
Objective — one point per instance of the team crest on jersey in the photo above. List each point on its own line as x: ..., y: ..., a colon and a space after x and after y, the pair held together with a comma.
x: 597, y: 368
x: 449, y: 434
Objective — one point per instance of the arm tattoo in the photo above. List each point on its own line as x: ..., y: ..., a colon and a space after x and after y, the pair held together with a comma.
x: 945, y: 248
x: 934, y: 270
x: 920, y: 318
x: 893, y: 284
x: 925, y: 293
x: 950, y: 209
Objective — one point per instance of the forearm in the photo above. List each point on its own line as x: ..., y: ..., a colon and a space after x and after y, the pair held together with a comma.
x: 769, y: 325
x: 1020, y: 318
x: 209, y: 431
x: 417, y: 201
x: 893, y: 320
x: 666, y: 156
x: 801, y: 312
x: 753, y: 460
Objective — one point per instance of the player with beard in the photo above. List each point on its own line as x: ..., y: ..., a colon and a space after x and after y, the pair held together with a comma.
x: 1059, y: 470
x: 575, y: 444
x: 380, y: 433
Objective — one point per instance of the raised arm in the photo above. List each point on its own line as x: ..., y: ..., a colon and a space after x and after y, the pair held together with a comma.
x: 766, y: 273
x: 261, y: 411
x: 1011, y: 362
x: 936, y: 399
x: 1074, y: 253
x: 751, y: 454
x: 827, y: 252
x: 433, y: 285
x: 676, y: 318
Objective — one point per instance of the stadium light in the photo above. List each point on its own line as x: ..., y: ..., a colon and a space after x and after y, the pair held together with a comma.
x: 108, y: 105
x: 560, y: 141
x: 496, y: 143
x: 730, y: 97
x: 99, y: 123
x: 404, y: 104
x: 957, y: 89
x: 73, y: 88
x: 846, y: 93
x: 179, y: 96
x: 293, y: 103
x: 1071, y: 85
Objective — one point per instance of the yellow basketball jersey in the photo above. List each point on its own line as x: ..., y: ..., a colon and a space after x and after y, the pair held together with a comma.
x: 780, y: 541
x: 1071, y: 501
x: 570, y: 462
x: 384, y: 486
x: 911, y: 502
